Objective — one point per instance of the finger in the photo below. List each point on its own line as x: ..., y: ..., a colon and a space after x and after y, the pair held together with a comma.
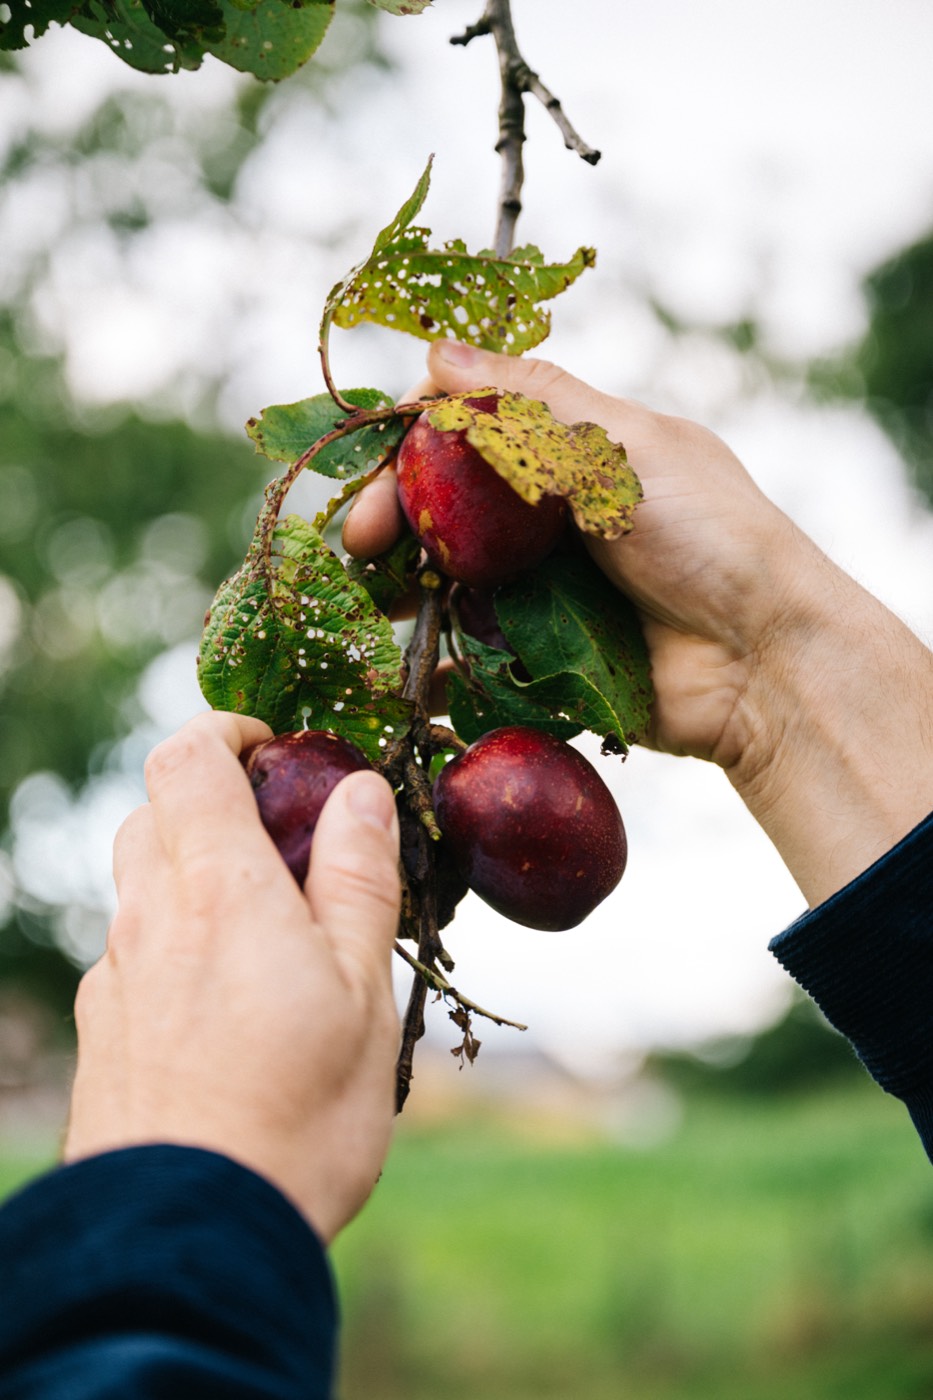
x: 353, y: 882
x: 376, y: 520
x: 200, y: 795
x: 424, y: 389
x: 455, y: 368
x: 438, y: 703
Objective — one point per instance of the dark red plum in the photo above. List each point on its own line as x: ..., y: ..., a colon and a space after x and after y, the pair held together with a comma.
x: 533, y: 827
x: 292, y: 776
x: 472, y: 525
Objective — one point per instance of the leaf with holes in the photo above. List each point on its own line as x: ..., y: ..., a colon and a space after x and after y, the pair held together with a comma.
x: 479, y: 298
x: 286, y: 431
x: 127, y: 30
x: 299, y: 644
x: 270, y: 38
x: 36, y: 16
x: 538, y: 455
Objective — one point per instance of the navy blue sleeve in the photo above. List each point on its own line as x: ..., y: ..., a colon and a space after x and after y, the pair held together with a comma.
x: 866, y: 958
x: 161, y: 1273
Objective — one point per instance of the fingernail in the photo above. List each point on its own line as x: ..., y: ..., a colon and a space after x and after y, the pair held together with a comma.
x: 454, y: 352
x: 370, y: 798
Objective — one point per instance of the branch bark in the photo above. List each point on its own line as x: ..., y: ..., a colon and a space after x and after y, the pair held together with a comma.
x: 408, y: 764
x: 516, y: 79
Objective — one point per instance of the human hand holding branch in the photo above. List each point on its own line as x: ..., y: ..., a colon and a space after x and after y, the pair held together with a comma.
x: 767, y: 659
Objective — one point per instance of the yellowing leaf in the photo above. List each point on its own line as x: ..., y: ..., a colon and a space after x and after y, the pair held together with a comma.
x: 540, y: 456
x: 479, y: 298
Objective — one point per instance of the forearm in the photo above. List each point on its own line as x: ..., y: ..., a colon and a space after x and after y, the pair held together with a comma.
x: 838, y: 761
x: 865, y: 957
x: 162, y: 1271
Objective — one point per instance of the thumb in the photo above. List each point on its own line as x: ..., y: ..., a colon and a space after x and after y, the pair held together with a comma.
x: 353, y: 882
x: 455, y: 368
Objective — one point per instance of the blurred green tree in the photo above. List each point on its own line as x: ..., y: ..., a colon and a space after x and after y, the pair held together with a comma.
x: 801, y: 1053
x: 891, y: 367
x: 115, y: 523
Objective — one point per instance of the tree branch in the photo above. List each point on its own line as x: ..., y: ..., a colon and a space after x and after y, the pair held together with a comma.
x: 551, y: 105
x: 431, y: 978
x: 517, y: 78
x: 511, y: 124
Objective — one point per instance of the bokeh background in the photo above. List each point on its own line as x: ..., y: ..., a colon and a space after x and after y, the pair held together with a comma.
x: 677, y: 1182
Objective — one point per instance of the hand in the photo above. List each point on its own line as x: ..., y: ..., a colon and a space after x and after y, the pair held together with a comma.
x: 766, y: 658
x: 231, y: 1011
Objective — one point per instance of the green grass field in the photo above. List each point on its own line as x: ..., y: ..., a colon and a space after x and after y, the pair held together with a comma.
x: 772, y: 1250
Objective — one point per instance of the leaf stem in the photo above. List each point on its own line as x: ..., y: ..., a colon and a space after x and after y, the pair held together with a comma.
x: 323, y: 350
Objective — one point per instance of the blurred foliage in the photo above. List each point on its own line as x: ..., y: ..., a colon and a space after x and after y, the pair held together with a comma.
x: 116, y: 523
x: 891, y: 368
x: 800, y: 1053
x: 768, y: 1248
x: 109, y: 539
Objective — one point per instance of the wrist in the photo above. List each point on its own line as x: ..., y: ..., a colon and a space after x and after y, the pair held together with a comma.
x: 837, y: 760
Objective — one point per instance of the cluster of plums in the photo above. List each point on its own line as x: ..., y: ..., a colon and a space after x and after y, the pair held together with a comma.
x: 527, y: 820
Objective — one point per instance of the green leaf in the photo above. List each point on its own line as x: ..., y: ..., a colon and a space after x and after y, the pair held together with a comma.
x: 126, y: 29
x: 286, y: 431
x: 401, y: 7
x: 538, y: 455
x: 385, y: 239
x: 582, y: 644
x: 187, y: 19
x: 478, y: 298
x: 579, y: 636
x: 272, y: 38
x: 490, y: 697
x: 37, y: 16
x: 387, y: 577
x: 303, y: 646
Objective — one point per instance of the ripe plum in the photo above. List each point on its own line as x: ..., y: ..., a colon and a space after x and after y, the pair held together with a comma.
x: 472, y: 524
x: 533, y: 827
x: 292, y: 776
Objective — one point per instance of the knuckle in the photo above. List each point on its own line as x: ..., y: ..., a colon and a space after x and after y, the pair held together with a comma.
x: 541, y: 375
x: 168, y: 758
x: 121, y: 935
x: 87, y: 997
x: 355, y: 880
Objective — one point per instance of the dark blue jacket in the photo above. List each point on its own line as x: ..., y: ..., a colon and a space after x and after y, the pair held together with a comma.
x: 169, y: 1273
